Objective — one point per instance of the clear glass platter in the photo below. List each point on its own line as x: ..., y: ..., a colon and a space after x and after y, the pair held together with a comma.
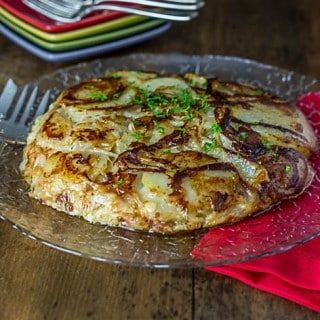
x: 115, y: 245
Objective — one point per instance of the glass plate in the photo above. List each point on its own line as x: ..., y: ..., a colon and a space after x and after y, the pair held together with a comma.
x: 115, y: 245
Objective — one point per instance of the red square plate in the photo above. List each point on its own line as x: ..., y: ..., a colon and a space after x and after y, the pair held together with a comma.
x: 23, y: 12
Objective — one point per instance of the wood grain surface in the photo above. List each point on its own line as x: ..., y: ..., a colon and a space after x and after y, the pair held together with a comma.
x: 37, y: 282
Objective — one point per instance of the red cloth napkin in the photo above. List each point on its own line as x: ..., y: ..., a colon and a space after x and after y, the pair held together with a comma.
x: 293, y: 275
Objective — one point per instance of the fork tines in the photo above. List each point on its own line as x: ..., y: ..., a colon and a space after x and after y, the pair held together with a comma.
x: 18, y: 108
x: 72, y: 11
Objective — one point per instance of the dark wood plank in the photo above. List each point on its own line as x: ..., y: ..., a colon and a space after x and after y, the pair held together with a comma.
x: 220, y: 297
x: 37, y: 282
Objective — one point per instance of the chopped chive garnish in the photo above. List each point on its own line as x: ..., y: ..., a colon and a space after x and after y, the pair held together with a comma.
x: 243, y: 135
x: 215, y: 128
x: 204, y: 84
x: 116, y: 96
x: 161, y: 129
x: 204, y: 104
x: 184, y: 103
x: 189, y: 116
x: 166, y: 151
x: 137, y: 100
x: 183, y: 130
x: 287, y: 168
x: 208, y: 146
x: 98, y: 96
x: 193, y: 82
x: 158, y: 112
x: 120, y: 182
x: 266, y: 144
x: 116, y: 76
x: 137, y: 135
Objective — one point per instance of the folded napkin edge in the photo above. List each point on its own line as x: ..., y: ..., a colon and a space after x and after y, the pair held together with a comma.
x: 239, y: 275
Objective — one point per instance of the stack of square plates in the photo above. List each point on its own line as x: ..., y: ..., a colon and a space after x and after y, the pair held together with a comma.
x: 98, y: 33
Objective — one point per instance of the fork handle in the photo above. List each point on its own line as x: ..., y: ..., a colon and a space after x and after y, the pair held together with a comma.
x: 91, y: 2
x: 167, y: 15
x: 158, y: 4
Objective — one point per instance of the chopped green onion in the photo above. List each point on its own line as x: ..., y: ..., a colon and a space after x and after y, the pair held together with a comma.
x: 243, y: 135
x: 204, y: 85
x: 266, y: 144
x: 208, y: 146
x: 158, y: 127
x: 120, y: 182
x: 116, y: 76
x: 137, y: 100
x: 189, y: 116
x: 166, y: 151
x: 215, y: 128
x: 116, y: 96
x: 183, y: 103
x: 287, y: 168
x: 183, y: 130
x: 137, y: 135
x: 161, y: 129
x: 98, y: 96
x: 204, y: 104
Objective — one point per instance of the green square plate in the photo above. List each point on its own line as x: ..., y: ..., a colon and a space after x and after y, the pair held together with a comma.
x: 104, y: 27
x: 95, y: 39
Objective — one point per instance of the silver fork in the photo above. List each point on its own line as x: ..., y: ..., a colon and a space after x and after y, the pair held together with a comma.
x: 18, y: 110
x: 71, y: 3
x: 189, y: 5
x: 66, y: 13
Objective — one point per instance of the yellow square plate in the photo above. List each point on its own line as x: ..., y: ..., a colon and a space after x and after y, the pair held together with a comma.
x: 104, y: 27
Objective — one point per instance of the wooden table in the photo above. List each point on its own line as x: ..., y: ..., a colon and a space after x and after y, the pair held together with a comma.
x: 37, y: 282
